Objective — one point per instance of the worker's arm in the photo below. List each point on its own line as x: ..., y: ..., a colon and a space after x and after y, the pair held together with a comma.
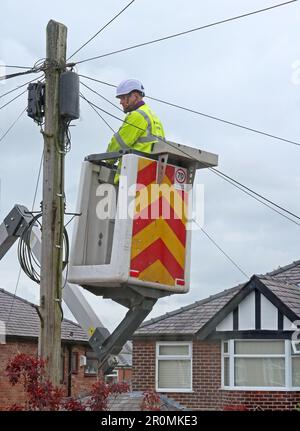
x: 133, y: 127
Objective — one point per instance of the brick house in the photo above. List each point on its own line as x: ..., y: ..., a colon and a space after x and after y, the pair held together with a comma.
x: 21, y: 324
x: 232, y: 350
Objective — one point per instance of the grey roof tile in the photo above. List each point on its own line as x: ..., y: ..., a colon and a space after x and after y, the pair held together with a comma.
x: 131, y: 401
x: 22, y: 320
x: 190, y: 319
x: 287, y: 292
x: 289, y: 272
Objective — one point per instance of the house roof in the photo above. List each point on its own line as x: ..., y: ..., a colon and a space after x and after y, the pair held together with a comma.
x: 193, y: 318
x: 189, y: 319
x: 289, y: 273
x: 22, y: 320
x: 287, y: 292
x: 131, y: 401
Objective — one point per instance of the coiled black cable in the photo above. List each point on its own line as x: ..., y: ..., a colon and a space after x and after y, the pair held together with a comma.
x: 28, y: 262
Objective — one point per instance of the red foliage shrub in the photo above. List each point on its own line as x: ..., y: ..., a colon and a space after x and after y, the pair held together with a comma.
x: 43, y: 395
x: 151, y: 401
x: 237, y: 407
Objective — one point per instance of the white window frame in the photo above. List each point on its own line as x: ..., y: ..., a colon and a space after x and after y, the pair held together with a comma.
x: 287, y: 355
x: 174, y: 357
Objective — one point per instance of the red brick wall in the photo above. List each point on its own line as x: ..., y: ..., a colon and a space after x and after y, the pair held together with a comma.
x: 207, y: 393
x: 12, y: 394
x: 9, y: 395
x: 261, y: 400
x: 124, y: 375
x: 81, y: 383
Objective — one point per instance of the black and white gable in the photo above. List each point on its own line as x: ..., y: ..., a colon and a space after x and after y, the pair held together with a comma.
x: 266, y: 307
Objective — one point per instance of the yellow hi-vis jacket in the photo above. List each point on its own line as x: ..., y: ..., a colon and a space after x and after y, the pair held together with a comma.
x: 140, y: 130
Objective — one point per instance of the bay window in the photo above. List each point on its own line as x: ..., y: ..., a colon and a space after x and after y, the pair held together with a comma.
x: 259, y: 364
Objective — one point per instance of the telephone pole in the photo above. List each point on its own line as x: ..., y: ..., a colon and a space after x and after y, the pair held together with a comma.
x: 53, y: 205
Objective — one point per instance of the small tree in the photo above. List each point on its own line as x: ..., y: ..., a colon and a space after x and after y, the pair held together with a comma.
x: 41, y: 394
x: 151, y: 401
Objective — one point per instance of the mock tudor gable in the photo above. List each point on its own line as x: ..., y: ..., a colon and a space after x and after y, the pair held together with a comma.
x: 263, y: 308
x: 231, y: 350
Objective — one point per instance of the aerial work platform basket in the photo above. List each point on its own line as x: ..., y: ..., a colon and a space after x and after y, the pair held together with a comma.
x: 135, y: 236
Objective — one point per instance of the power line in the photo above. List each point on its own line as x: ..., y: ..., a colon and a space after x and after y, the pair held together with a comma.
x: 97, y: 80
x: 106, y: 25
x: 14, y: 75
x: 14, y: 67
x: 20, y: 86
x: 11, y: 100
x: 187, y: 31
x: 32, y: 208
x: 117, y: 118
x: 255, y: 193
x: 212, y: 117
x: 258, y: 200
x: 12, y: 125
x: 221, y: 250
x: 99, y: 115
x: 102, y: 97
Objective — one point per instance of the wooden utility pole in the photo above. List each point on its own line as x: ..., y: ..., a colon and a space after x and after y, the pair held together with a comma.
x: 53, y: 205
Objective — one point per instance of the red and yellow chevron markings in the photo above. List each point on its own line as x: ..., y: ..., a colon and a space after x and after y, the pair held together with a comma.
x: 159, y: 227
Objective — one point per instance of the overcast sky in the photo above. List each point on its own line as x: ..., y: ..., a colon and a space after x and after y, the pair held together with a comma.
x: 246, y: 71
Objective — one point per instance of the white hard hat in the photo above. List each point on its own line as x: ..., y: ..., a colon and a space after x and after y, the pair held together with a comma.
x: 129, y: 85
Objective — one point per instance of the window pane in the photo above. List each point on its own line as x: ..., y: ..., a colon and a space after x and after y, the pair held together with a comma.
x: 225, y: 347
x: 91, y: 366
x: 259, y: 347
x: 174, y: 374
x: 74, y: 362
x: 296, y: 371
x: 226, y: 371
x: 174, y: 350
x: 259, y: 372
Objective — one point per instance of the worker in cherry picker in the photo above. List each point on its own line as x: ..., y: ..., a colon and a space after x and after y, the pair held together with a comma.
x: 141, y: 127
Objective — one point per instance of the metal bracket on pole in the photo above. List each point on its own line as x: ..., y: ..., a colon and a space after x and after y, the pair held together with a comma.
x: 13, y: 226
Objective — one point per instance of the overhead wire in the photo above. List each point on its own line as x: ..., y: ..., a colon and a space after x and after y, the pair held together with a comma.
x: 221, y: 249
x: 12, y: 125
x: 12, y: 100
x: 20, y: 86
x: 255, y: 193
x: 32, y: 208
x: 101, y: 29
x: 212, y: 117
x: 102, y: 97
x: 257, y: 199
x: 14, y: 75
x: 95, y: 110
x: 187, y: 31
x: 6, y: 66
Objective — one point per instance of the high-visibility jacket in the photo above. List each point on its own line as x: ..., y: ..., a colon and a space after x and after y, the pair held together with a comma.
x: 140, y: 130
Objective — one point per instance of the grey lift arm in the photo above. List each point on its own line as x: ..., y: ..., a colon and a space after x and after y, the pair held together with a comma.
x: 10, y: 230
